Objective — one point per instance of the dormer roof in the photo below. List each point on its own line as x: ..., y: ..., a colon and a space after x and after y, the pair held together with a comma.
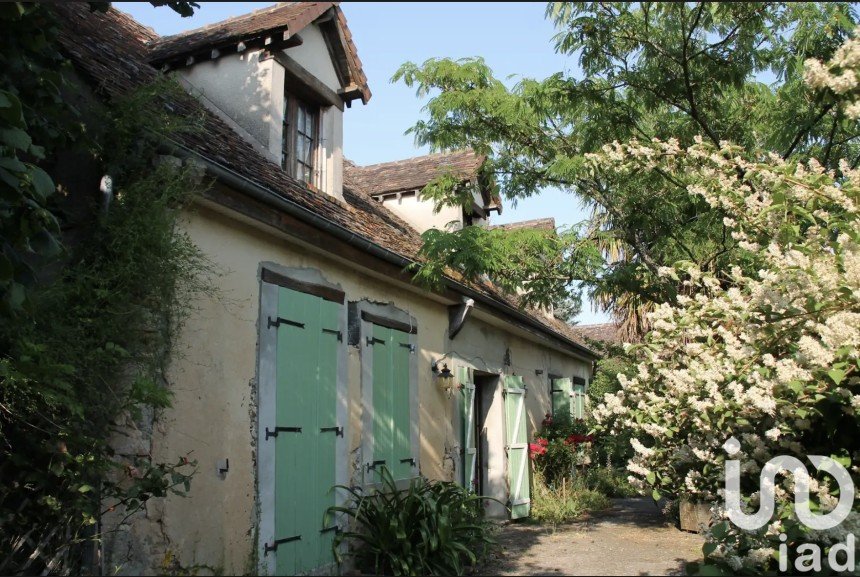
x: 275, y: 27
x: 415, y: 173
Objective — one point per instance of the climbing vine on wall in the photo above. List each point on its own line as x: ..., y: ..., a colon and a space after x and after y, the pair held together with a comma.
x: 94, y: 287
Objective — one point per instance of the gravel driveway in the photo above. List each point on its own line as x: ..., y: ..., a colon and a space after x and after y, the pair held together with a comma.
x: 632, y: 538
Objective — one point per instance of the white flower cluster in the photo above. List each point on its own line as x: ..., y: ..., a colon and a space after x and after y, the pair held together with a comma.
x: 769, y: 350
x: 839, y: 75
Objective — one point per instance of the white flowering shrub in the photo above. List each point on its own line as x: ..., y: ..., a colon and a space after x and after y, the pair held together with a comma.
x: 839, y: 75
x: 767, y: 353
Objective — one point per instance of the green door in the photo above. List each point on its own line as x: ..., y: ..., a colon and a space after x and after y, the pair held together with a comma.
x: 306, y: 404
x: 517, y: 446
x: 392, y: 422
x: 561, y: 400
x: 468, y: 441
x: 578, y: 398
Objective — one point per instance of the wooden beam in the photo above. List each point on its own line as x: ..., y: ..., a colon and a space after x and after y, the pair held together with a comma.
x: 306, y: 84
x: 212, y: 52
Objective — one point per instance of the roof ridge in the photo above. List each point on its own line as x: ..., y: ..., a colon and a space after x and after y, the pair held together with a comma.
x: 232, y: 19
x: 419, y: 157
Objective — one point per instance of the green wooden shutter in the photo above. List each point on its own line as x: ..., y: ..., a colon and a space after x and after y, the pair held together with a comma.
x: 392, y: 441
x: 467, y: 438
x: 383, y: 403
x: 305, y: 457
x: 404, y: 460
x: 516, y: 439
x: 561, y: 400
x: 578, y: 398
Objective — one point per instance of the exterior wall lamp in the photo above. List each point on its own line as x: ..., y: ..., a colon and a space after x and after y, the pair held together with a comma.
x: 444, y: 378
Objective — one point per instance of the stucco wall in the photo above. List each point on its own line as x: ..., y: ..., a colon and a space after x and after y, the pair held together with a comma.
x: 419, y: 213
x: 241, y: 86
x: 314, y: 57
x: 212, y: 377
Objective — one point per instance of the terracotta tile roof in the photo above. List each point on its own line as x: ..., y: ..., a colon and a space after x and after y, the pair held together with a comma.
x: 292, y: 16
x: 108, y: 48
x: 414, y: 173
x: 606, y: 332
x: 537, y: 223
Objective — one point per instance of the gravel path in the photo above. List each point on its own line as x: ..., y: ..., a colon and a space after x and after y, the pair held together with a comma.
x: 632, y: 538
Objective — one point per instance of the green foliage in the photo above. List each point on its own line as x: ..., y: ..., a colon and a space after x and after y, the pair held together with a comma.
x: 530, y: 258
x: 564, y: 448
x: 90, y: 348
x: 610, y: 450
x: 430, y: 528
x: 33, y: 122
x: 650, y: 70
x: 609, y: 481
x: 568, y: 502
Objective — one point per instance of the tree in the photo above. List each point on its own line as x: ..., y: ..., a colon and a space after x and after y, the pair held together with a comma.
x: 35, y: 120
x: 671, y: 71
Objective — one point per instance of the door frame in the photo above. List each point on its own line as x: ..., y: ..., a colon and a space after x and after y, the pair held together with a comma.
x: 271, y: 277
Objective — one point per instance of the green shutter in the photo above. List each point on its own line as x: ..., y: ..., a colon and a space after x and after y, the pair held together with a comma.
x: 467, y: 437
x: 383, y: 410
x: 561, y: 400
x: 392, y: 416
x: 402, y: 450
x: 305, y: 398
x: 578, y: 398
x: 516, y: 440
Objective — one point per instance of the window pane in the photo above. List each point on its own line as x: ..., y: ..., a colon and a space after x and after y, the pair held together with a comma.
x: 302, y: 149
x: 303, y: 118
x: 308, y: 158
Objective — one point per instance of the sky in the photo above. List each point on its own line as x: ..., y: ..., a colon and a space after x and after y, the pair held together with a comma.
x: 513, y: 38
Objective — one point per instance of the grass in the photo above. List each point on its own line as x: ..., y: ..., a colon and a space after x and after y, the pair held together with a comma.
x: 568, y: 502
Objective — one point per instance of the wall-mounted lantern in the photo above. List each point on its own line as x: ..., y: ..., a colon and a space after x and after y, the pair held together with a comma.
x: 444, y: 378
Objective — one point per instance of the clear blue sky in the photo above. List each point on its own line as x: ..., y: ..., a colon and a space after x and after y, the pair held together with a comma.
x: 514, y: 38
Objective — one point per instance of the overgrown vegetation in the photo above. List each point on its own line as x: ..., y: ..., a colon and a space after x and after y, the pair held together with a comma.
x: 611, y: 451
x: 760, y: 363
x: 569, y: 501
x: 89, y: 313
x: 568, y: 481
x: 429, y: 528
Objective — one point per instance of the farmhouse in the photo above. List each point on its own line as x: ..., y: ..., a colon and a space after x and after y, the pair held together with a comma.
x: 321, y: 362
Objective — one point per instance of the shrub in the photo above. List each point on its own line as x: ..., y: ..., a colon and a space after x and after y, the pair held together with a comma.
x: 609, y: 481
x: 766, y: 353
x: 559, y: 449
x: 430, y: 528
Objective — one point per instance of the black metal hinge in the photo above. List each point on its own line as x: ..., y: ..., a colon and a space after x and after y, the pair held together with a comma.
x: 278, y: 542
x: 408, y: 346
x: 374, y: 340
x: 282, y: 321
x: 338, y: 431
x: 334, y: 332
x: 334, y: 528
x: 410, y: 460
x: 274, y: 432
x: 375, y: 464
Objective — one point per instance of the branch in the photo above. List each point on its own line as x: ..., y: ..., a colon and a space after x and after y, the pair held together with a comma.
x: 805, y: 130
x: 694, y: 110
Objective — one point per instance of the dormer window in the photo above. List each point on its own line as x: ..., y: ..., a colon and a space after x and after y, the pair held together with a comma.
x: 300, y: 138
